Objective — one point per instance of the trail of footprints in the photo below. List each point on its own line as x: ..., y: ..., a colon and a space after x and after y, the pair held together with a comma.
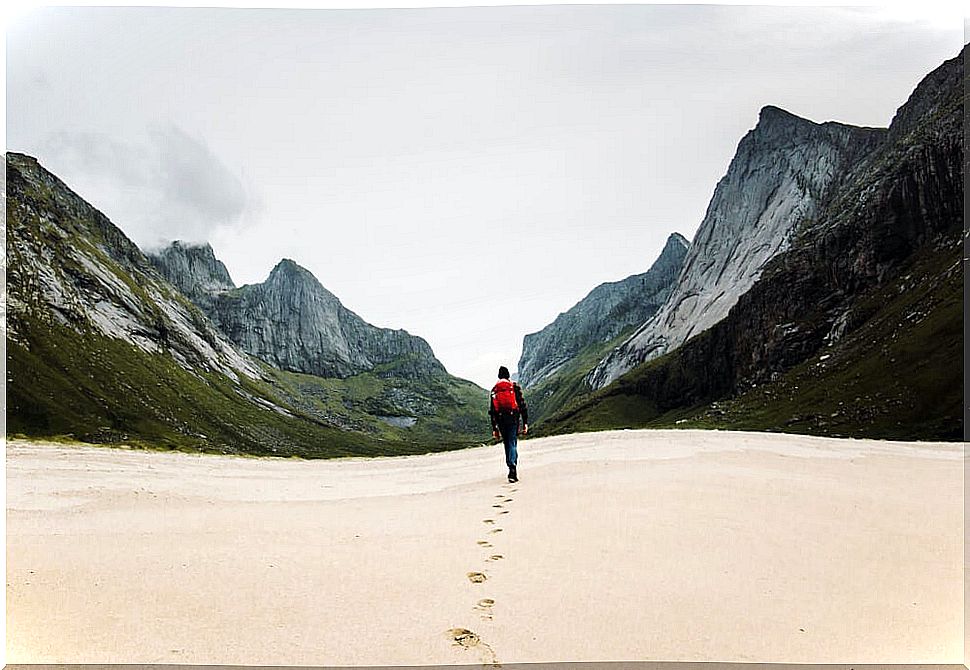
x: 463, y: 637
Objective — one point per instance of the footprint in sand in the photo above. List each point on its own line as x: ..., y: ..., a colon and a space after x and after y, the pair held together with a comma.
x: 464, y: 637
x: 495, y: 557
x: 497, y: 505
x: 476, y: 577
x: 507, y: 500
x: 485, y: 543
x: 504, y: 511
x: 485, y: 607
x: 488, y: 520
x: 495, y: 530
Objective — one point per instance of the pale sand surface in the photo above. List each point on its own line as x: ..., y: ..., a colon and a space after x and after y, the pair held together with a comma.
x: 627, y: 545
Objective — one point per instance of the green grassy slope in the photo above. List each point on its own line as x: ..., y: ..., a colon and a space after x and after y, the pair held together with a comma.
x: 907, y: 386
x: 99, y: 389
x: 567, y: 386
x: 441, y: 411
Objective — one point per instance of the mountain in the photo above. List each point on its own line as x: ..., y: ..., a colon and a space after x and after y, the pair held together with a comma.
x: 292, y: 322
x: 781, y: 173
x: 602, y: 315
x: 855, y: 328
x: 102, y: 348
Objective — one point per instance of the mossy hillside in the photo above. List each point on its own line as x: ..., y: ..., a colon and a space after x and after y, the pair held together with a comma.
x: 445, y: 410
x: 622, y: 404
x: 102, y: 390
x: 99, y: 389
x: 567, y: 385
x: 906, y: 386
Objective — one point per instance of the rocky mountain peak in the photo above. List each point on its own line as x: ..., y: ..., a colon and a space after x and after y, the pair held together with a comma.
x: 200, y: 252
x: 193, y: 269
x: 771, y: 116
x: 290, y: 286
x: 673, y: 249
x: 671, y: 258
x: 203, y: 247
x: 289, y: 268
x: 292, y: 322
x: 675, y: 239
x: 290, y: 273
x: 781, y: 172
x: 779, y: 129
x: 930, y: 97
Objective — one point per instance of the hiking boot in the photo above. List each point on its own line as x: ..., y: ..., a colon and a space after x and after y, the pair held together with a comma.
x: 513, y: 476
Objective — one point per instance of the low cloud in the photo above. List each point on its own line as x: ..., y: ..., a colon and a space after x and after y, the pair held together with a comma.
x: 168, y: 185
x: 192, y: 176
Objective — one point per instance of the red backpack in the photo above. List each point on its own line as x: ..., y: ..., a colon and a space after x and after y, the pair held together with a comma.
x: 503, y: 397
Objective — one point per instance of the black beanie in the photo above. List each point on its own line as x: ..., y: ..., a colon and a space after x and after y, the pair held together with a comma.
x: 503, y: 372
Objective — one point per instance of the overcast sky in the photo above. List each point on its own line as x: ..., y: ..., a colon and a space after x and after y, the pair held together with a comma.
x: 465, y: 174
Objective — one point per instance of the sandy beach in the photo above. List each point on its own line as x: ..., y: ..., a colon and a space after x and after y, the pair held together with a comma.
x: 624, y: 545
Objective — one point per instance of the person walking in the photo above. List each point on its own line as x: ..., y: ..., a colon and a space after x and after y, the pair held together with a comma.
x: 506, y: 406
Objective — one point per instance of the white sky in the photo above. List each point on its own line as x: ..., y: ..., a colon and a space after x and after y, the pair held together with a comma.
x: 464, y: 173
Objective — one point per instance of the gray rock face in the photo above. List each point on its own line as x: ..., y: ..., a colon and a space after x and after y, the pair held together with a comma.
x: 292, y: 322
x: 782, y: 170
x: 194, y: 270
x: 602, y: 315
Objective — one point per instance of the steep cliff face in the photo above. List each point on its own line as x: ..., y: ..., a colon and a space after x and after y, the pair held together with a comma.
x: 782, y: 170
x: 602, y: 315
x: 69, y: 265
x: 857, y: 328
x: 292, y: 322
x: 194, y: 270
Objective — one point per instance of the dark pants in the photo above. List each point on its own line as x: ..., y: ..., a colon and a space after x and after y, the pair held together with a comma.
x: 508, y: 426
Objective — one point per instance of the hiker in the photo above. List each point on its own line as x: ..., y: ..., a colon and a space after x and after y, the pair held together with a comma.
x: 505, y: 407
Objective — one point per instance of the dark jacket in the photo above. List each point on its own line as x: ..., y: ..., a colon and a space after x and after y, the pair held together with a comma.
x: 519, y: 400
